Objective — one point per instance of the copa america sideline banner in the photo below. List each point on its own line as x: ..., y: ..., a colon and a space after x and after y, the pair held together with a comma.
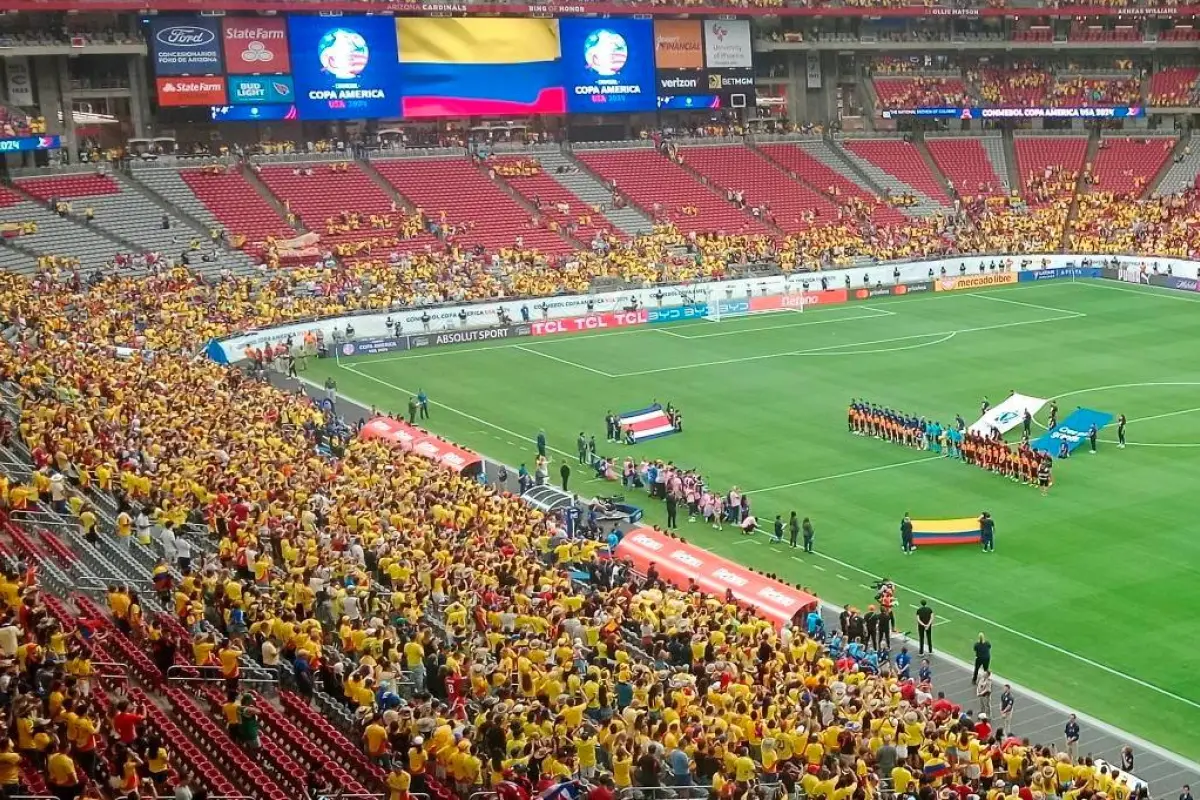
x: 682, y: 563
x: 1073, y: 430
x: 1008, y: 414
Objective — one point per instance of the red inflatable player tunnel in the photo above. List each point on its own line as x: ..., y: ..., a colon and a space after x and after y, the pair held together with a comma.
x: 423, y: 443
x: 680, y: 563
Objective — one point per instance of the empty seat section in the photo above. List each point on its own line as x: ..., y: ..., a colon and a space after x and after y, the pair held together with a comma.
x: 236, y: 204
x: 1049, y: 166
x: 966, y: 166
x: 1126, y: 165
x: 668, y: 192
x: 322, y: 198
x: 902, y: 160
x: 458, y: 190
x: 792, y: 205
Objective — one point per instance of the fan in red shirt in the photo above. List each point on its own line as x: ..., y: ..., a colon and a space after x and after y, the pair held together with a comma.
x: 125, y: 722
x: 982, y: 729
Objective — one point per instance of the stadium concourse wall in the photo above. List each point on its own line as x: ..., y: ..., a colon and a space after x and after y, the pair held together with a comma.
x: 430, y: 326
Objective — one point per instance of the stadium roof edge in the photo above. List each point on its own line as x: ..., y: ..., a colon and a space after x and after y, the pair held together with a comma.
x: 403, y: 7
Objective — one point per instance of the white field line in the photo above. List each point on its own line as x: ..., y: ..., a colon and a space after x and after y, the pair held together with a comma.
x: 1051, y: 309
x: 875, y: 313
x: 847, y: 345
x: 583, y: 367
x: 1144, y: 290
x: 1092, y: 721
x: 840, y: 475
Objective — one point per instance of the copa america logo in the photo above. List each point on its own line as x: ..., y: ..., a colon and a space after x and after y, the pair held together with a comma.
x: 605, y: 52
x: 343, y: 53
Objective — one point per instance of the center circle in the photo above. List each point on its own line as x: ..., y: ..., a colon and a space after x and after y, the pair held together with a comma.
x: 1141, y: 385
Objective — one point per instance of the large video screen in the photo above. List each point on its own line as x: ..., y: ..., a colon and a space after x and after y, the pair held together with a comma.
x: 608, y: 64
x: 478, y: 66
x: 345, y: 67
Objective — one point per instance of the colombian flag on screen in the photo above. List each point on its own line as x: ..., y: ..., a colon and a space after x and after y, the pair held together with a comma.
x: 479, y: 66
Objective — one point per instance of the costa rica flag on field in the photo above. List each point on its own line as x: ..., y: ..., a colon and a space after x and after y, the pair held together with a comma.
x: 647, y: 423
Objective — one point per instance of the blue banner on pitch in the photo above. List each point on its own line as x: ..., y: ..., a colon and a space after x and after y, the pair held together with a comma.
x: 658, y: 316
x: 1073, y: 430
x: 1058, y: 272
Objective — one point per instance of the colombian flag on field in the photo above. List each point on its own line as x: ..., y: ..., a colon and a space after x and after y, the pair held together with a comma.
x: 647, y: 423
x: 946, y: 531
x: 480, y: 66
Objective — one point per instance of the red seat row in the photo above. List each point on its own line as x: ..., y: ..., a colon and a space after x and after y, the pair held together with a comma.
x: 222, y: 750
x: 304, y: 747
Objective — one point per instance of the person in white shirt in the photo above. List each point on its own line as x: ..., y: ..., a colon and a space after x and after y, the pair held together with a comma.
x: 58, y: 492
x: 10, y: 640
x: 183, y: 550
x: 167, y: 537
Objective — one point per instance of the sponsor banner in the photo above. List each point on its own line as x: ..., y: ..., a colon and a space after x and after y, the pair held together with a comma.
x: 370, y: 347
x: 684, y: 564
x: 867, y: 292
x: 658, y: 316
x: 608, y: 64
x: 19, y: 81
x: 255, y: 45
x: 965, y: 530
x: 951, y: 112
x: 467, y: 336
x: 174, y: 92
x: 261, y: 90
x: 1181, y: 284
x: 345, y: 67
x: 1008, y: 414
x: 24, y: 143
x: 1058, y: 272
x: 186, y: 46
x: 681, y: 82
x: 423, y: 443
x: 678, y: 44
x: 591, y: 322
x: 913, y: 288
x: 949, y: 284
x: 727, y: 44
x: 798, y: 300
x: 1073, y: 430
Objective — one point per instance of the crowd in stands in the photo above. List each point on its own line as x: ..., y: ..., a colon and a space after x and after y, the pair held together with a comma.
x: 377, y: 569
x: 13, y: 124
x: 1079, y: 91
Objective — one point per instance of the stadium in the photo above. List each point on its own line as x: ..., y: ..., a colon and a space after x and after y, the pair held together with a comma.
x: 600, y: 401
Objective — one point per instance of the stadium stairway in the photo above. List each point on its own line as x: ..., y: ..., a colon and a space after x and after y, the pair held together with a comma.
x: 1178, y: 149
x: 839, y: 160
x: 587, y: 186
x: 545, y: 197
x: 968, y: 164
x: 815, y: 173
x: 131, y: 214
x: 237, y: 261
x: 55, y: 235
x: 906, y: 172
x: 1036, y: 154
x: 1182, y: 174
x: 1125, y: 165
x: 739, y: 168
x: 466, y: 196
x: 648, y: 178
x: 235, y: 202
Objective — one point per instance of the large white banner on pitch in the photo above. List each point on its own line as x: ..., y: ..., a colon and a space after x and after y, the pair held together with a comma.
x: 1008, y: 414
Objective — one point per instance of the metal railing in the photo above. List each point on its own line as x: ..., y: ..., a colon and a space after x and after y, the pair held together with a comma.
x: 206, y: 675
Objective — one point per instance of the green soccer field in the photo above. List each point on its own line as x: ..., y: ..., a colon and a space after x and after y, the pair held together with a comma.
x: 1090, y: 596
